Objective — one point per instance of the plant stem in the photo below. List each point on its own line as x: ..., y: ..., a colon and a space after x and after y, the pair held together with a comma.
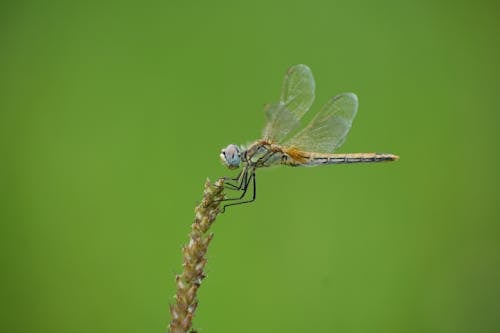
x: 189, y: 280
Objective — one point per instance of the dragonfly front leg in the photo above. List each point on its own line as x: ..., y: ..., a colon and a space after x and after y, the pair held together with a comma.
x: 240, y: 179
x: 254, y: 195
x: 235, y: 178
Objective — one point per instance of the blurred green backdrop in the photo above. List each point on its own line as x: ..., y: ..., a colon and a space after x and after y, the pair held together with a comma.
x: 113, y: 114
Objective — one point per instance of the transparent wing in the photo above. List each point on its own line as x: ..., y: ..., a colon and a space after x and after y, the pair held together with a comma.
x: 328, y: 129
x: 297, y: 96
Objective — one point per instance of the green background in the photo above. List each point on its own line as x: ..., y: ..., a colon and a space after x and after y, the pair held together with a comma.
x: 112, y: 115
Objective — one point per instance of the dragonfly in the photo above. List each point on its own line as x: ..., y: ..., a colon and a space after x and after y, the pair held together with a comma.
x: 314, y: 145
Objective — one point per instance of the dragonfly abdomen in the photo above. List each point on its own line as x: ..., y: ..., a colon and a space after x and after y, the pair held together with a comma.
x: 349, y: 158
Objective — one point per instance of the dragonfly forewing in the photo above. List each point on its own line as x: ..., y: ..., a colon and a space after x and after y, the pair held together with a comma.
x: 297, y: 96
x: 328, y: 129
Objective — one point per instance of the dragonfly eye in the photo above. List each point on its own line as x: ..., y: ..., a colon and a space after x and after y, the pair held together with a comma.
x: 231, y: 156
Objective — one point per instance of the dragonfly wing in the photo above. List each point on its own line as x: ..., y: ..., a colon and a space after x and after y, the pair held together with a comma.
x: 297, y: 92
x: 297, y: 96
x: 328, y: 129
x: 280, y: 122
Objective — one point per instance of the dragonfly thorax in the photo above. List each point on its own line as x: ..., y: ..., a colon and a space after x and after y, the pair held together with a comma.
x: 230, y: 156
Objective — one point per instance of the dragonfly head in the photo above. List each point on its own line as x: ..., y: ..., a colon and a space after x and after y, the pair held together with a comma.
x: 230, y: 156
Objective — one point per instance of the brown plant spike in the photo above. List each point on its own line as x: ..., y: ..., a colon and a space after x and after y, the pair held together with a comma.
x: 189, y: 280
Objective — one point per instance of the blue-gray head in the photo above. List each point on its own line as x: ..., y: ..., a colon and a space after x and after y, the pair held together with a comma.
x: 230, y: 156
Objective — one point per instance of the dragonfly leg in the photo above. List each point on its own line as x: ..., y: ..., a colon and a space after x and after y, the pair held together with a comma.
x: 250, y: 179
x: 237, y: 178
x: 241, y: 178
x: 229, y: 186
x: 246, y: 180
x: 243, y: 185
